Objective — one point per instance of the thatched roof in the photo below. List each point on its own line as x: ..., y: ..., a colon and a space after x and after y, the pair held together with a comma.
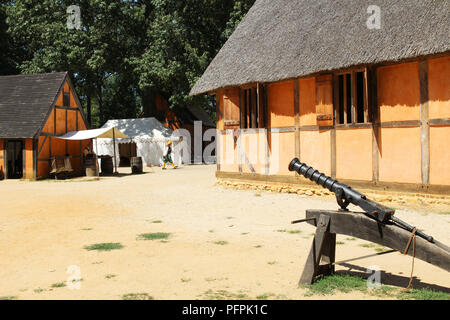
x: 25, y: 101
x: 283, y: 39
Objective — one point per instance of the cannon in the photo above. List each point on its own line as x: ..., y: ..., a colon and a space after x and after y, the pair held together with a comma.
x: 345, y: 196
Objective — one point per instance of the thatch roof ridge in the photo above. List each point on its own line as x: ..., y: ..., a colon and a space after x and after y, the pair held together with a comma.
x: 283, y: 39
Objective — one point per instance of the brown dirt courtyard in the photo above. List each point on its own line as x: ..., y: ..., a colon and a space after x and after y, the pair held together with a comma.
x: 223, y: 243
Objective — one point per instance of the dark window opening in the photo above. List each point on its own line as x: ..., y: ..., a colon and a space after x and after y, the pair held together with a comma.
x: 360, y: 97
x: 348, y: 97
x: 352, y: 98
x: 66, y: 99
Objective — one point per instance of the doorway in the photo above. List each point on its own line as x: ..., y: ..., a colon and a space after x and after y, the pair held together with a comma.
x: 14, y: 159
x: 126, y: 152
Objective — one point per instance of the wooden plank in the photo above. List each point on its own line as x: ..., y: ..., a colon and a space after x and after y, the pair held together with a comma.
x: 337, y: 114
x: 373, y: 98
x: 439, y: 122
x: 42, y: 146
x: 241, y: 108
x: 344, y: 93
x: 315, y: 254
x: 67, y: 108
x: 354, y: 97
x: 315, y: 128
x: 360, y: 226
x: 254, y: 108
x: 400, y: 124
x: 354, y: 126
x: 424, y: 117
x: 366, y: 97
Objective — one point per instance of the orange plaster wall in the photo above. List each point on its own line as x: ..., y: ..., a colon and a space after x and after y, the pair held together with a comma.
x: 399, y: 92
x: 28, y: 159
x: 282, y: 151
x: 439, y: 88
x: 307, y: 93
x: 227, y: 153
x: 253, y: 145
x: 439, y: 155
x: 219, y: 101
x: 316, y: 150
x: 400, y: 155
x: 50, y: 125
x: 354, y: 154
x: 280, y: 97
x: 60, y: 121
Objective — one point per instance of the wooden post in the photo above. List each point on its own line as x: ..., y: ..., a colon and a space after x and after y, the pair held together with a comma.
x: 114, y: 145
x: 373, y: 97
x: 424, y: 124
x: 324, y: 244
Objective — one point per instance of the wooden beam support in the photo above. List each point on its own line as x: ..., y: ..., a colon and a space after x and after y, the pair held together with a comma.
x: 373, y: 103
x: 322, y: 243
x: 424, y: 117
x: 360, y: 226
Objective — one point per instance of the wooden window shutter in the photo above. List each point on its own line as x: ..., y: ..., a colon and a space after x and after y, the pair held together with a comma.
x: 231, y: 108
x: 324, y: 100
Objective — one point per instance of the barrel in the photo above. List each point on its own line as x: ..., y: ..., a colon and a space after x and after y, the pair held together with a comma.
x: 136, y: 165
x: 90, y: 165
x: 107, y: 165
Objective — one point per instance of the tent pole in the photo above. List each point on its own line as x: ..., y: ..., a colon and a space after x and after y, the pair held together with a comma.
x: 114, y: 143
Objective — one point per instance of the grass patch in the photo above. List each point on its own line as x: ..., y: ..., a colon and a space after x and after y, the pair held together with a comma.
x: 154, y: 236
x: 423, y: 294
x: 110, y: 276
x: 157, y: 221
x: 58, y: 285
x: 444, y: 213
x: 8, y: 298
x: 282, y: 230
x: 211, y: 231
x: 258, y: 246
x: 229, y: 218
x: 184, y: 280
x: 257, y: 194
x: 271, y: 263
x: 294, y: 231
x: 137, y: 296
x: 86, y: 229
x: 104, y: 246
x: 368, y: 245
x: 265, y: 296
x: 351, y: 239
x: 221, y: 243
x: 340, y: 242
x: 244, y: 233
x: 38, y: 290
x: 343, y: 283
x: 224, y: 295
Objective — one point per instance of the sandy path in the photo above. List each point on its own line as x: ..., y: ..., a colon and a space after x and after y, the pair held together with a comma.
x: 45, y: 225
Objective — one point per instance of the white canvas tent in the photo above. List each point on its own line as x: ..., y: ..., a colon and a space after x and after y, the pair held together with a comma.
x: 150, y: 136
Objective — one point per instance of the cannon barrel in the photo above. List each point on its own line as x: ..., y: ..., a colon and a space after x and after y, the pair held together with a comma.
x: 346, y: 195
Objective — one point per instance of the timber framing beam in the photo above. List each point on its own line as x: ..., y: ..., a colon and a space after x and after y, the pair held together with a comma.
x: 424, y: 117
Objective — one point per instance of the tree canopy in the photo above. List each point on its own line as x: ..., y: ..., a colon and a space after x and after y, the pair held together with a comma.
x: 123, y: 52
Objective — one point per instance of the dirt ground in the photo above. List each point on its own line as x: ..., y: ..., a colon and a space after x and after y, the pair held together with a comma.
x: 223, y: 243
